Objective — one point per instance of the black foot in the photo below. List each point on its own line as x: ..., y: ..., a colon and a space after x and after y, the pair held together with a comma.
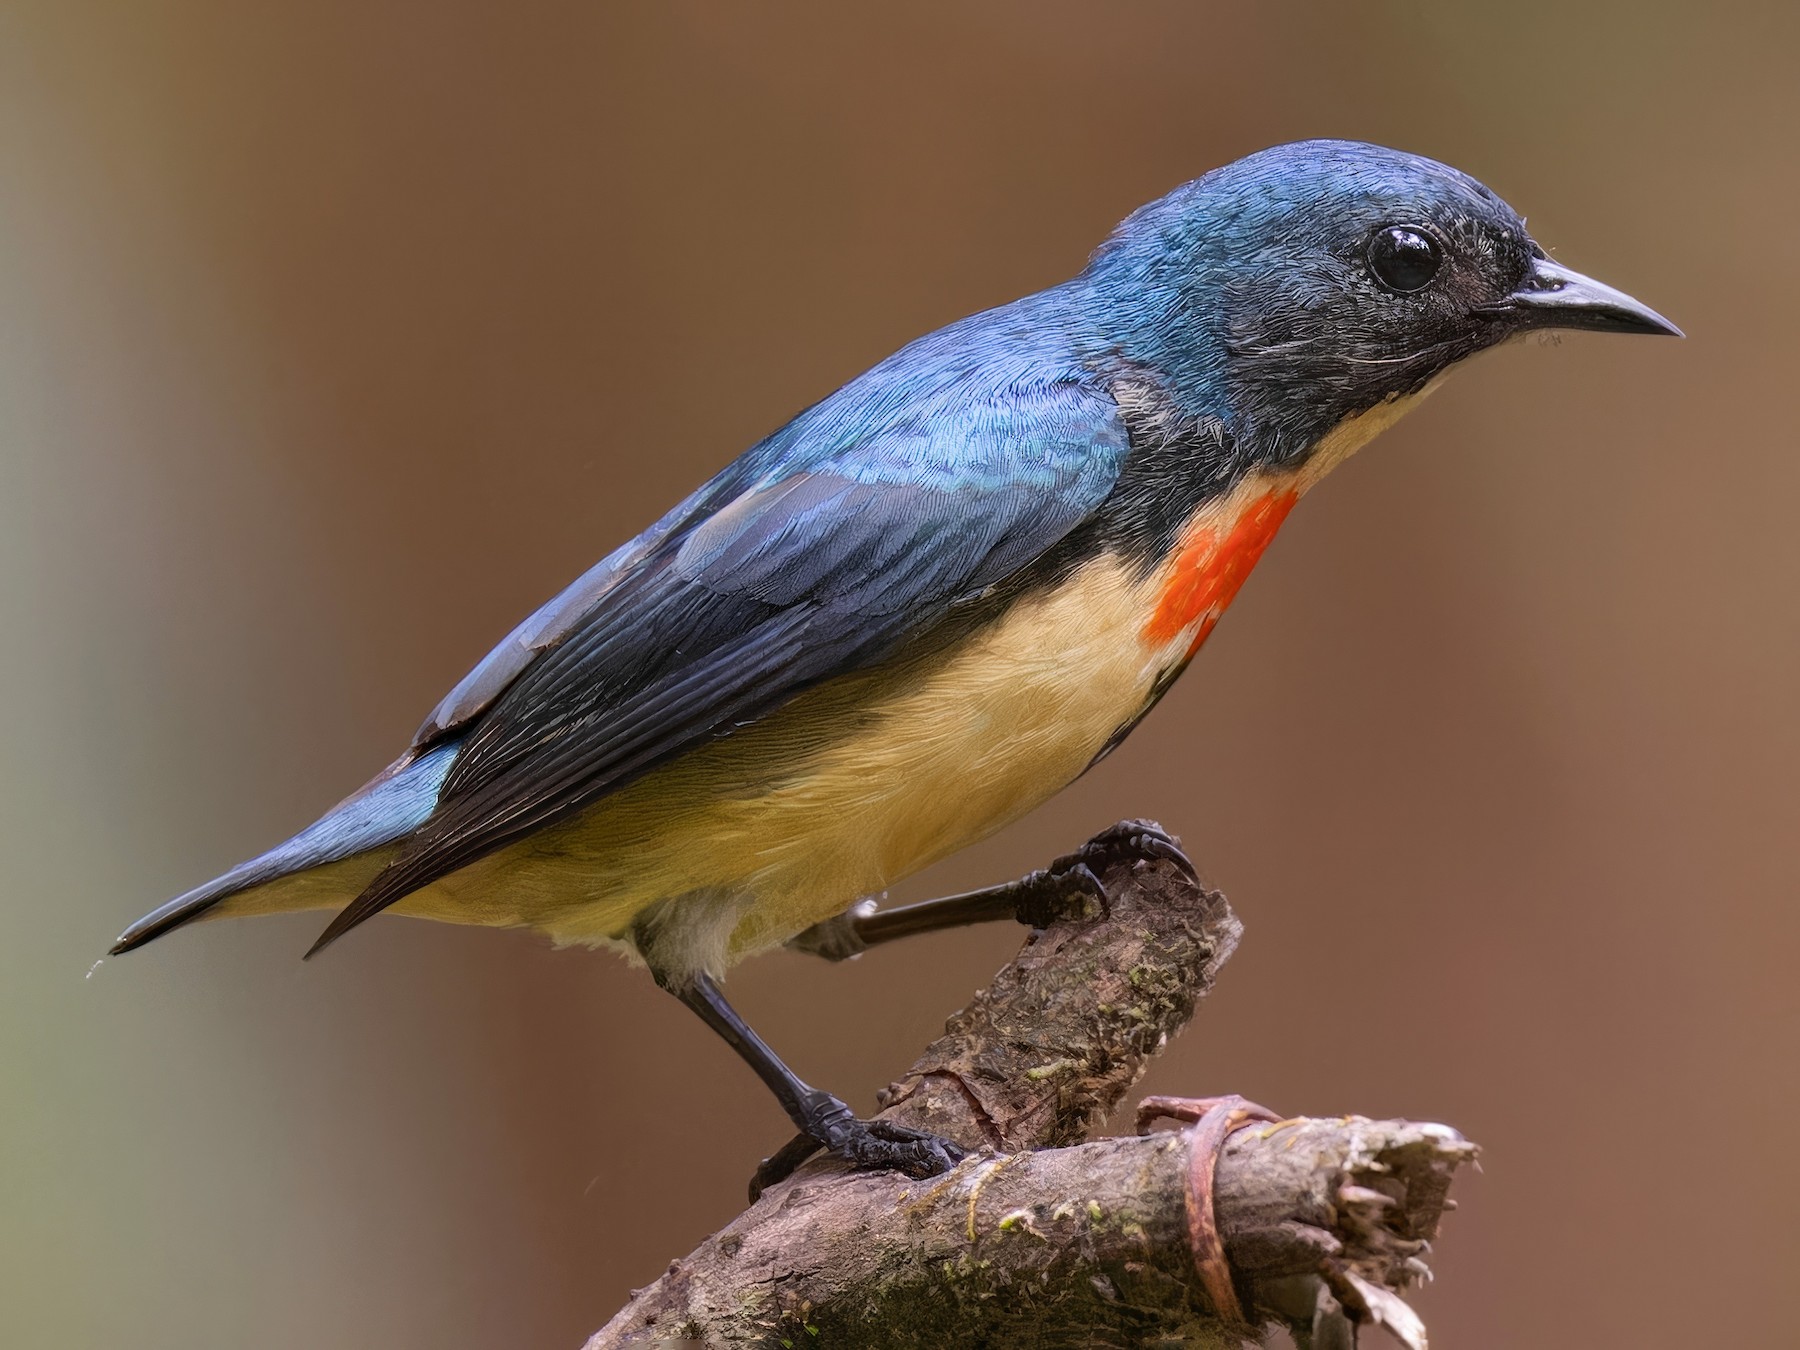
x: 861, y: 1143
x: 1066, y: 889
x: 1129, y: 841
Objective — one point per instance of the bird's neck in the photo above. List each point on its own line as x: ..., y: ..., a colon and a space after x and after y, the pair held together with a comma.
x: 1196, y: 338
x: 1350, y: 435
x: 1196, y: 508
x: 1194, y: 572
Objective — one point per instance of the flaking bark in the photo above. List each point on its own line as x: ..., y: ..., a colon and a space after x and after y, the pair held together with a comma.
x: 1042, y: 1240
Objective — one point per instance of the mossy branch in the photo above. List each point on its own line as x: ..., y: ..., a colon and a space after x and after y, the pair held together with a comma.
x: 1042, y: 1239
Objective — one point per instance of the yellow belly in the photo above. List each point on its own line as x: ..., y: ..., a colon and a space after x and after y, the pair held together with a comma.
x: 847, y: 789
x: 867, y: 779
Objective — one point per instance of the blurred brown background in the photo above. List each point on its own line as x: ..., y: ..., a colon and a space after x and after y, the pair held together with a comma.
x: 335, y: 336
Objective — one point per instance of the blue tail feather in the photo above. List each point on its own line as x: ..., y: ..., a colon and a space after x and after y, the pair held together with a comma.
x: 387, y: 810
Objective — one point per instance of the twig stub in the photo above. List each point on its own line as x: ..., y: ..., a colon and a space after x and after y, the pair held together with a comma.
x: 1040, y: 1239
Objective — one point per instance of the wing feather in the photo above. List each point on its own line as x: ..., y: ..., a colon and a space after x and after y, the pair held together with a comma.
x: 818, y: 561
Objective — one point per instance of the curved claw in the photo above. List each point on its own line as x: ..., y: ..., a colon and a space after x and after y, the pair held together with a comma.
x: 1167, y: 849
x: 782, y: 1164
x: 1131, y: 840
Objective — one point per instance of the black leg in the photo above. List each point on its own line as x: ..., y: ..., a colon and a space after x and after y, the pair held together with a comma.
x: 1060, y: 891
x: 1037, y: 899
x: 821, y: 1117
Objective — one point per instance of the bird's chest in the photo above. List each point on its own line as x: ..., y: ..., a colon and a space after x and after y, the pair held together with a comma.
x: 864, y: 781
x: 1214, y: 555
x: 1019, y: 710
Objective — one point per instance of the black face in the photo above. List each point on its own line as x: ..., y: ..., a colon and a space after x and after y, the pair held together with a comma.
x: 1349, y: 276
x: 1312, y: 282
x: 1390, y: 299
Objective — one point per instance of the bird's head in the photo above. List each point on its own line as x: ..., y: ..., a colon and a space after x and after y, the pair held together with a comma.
x: 1316, y: 281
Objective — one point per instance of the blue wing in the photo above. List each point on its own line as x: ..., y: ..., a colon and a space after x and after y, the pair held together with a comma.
x: 856, y: 529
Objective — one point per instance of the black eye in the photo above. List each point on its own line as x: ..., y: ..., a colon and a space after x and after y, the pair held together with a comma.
x: 1404, y: 259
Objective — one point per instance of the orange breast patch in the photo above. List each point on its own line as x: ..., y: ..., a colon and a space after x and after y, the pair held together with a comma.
x: 1211, y: 565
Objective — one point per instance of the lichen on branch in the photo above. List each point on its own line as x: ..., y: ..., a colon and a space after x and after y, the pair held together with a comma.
x: 1041, y: 1239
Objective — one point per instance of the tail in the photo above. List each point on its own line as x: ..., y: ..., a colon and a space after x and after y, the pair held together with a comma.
x: 384, y: 812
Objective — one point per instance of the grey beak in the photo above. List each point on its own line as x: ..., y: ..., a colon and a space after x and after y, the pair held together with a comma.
x: 1554, y: 296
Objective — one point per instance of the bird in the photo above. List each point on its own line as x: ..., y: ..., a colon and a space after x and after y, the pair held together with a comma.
x: 928, y: 602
